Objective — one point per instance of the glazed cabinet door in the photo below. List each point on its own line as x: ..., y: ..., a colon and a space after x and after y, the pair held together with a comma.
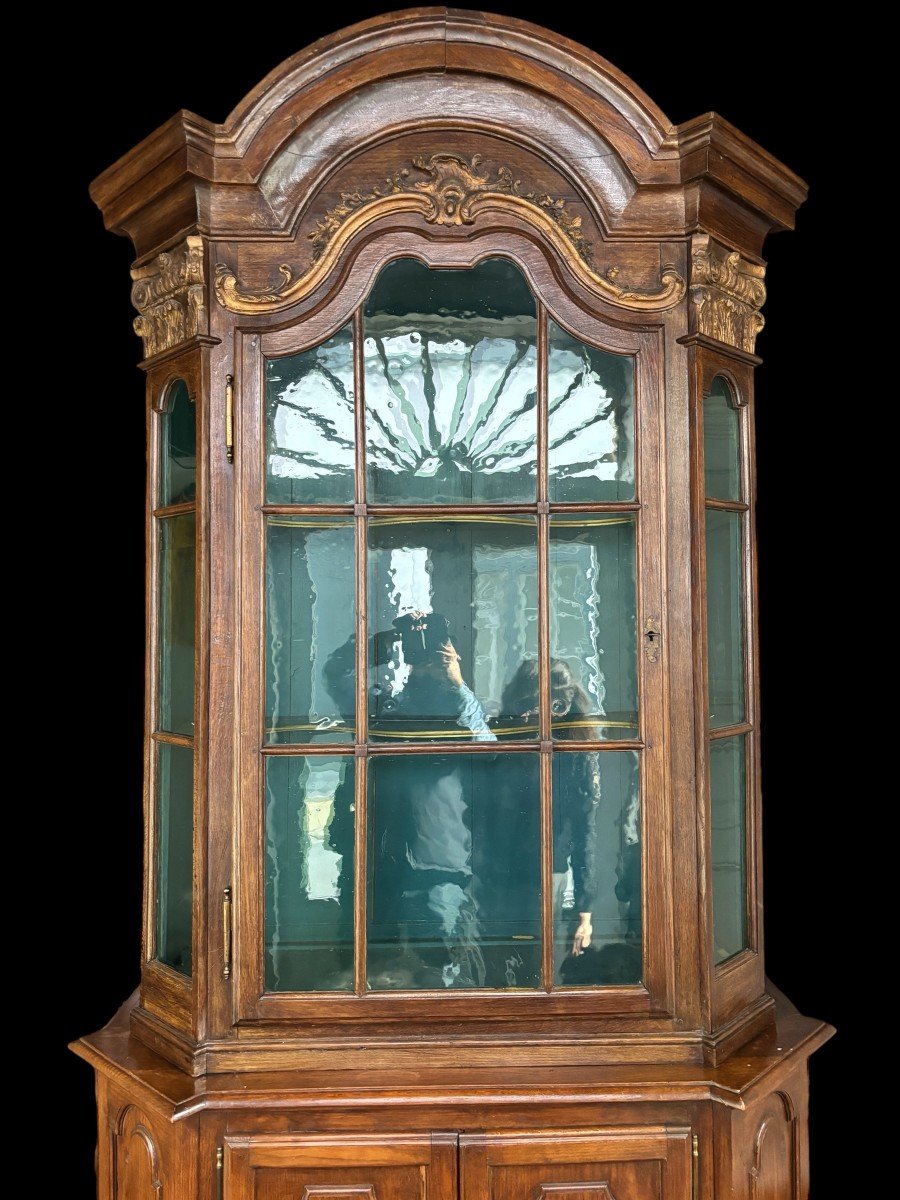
x: 612, y: 1164
x: 340, y: 1167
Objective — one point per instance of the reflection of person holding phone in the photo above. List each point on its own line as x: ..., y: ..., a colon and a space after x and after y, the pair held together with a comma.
x: 575, y: 801
x: 423, y: 905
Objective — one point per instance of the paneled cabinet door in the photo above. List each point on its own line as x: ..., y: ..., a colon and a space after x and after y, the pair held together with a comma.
x: 341, y: 1167
x: 647, y: 1163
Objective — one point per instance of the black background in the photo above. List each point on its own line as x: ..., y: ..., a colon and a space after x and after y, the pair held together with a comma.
x: 111, y: 96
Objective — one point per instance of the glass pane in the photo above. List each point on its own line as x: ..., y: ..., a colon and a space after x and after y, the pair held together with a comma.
x: 309, y: 424
x: 721, y: 444
x: 175, y: 855
x: 452, y: 620
x: 178, y: 450
x: 451, y: 385
x: 727, y: 784
x: 310, y: 629
x: 309, y: 874
x: 177, y: 583
x: 591, y: 421
x: 593, y: 627
x: 725, y: 617
x: 454, y: 888
x: 596, y: 869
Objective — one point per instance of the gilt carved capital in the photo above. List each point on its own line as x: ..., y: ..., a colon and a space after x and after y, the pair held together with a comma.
x: 169, y: 293
x: 727, y: 292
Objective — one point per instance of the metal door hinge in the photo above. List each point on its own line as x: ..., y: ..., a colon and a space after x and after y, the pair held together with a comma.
x: 229, y: 418
x: 226, y: 933
x: 695, y: 1167
x: 220, y: 1172
x: 652, y: 638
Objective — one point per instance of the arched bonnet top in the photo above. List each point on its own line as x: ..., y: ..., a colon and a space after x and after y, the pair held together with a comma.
x: 445, y: 71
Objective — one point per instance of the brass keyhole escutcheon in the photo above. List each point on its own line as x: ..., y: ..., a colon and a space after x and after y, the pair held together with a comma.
x: 652, y: 639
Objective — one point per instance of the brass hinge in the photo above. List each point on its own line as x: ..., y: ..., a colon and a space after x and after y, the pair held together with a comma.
x: 695, y: 1167
x: 229, y: 418
x: 220, y: 1172
x: 226, y: 933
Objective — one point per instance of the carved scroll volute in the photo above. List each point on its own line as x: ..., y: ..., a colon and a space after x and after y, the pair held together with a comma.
x: 727, y: 292
x: 454, y: 191
x: 169, y: 293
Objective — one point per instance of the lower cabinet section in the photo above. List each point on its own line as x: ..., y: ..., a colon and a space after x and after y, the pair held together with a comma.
x: 620, y: 1164
x: 614, y: 1164
x: 321, y: 1167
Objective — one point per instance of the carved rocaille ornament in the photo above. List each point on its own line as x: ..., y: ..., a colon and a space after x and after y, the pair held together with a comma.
x: 454, y: 192
x: 727, y: 293
x: 169, y: 293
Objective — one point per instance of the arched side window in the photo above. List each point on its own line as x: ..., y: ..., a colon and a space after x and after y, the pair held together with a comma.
x: 726, y: 644
x: 175, y: 557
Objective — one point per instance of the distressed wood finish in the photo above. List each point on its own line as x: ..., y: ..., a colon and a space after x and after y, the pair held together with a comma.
x: 451, y: 137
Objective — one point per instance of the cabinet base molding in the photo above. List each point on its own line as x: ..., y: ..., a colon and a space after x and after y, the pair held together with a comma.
x: 427, y: 1131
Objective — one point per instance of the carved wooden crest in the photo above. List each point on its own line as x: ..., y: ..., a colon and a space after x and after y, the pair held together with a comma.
x: 454, y: 192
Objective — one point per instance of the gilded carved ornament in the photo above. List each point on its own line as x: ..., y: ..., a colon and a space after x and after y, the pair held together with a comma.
x: 727, y: 292
x: 169, y: 293
x: 454, y: 192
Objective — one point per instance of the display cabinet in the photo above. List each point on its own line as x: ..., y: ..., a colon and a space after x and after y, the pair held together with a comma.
x: 453, y: 879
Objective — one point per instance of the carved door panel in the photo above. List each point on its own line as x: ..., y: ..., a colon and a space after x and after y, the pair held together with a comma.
x: 137, y: 1159
x: 611, y: 1164
x: 347, y: 1167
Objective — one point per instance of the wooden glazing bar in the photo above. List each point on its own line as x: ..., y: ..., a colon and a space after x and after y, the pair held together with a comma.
x: 611, y: 506
x: 360, y: 847
x: 173, y: 739
x: 544, y: 697
x: 427, y: 510
x: 282, y: 749
x: 175, y: 510
x: 567, y: 747
x: 287, y: 749
x: 360, y: 854
x: 308, y: 510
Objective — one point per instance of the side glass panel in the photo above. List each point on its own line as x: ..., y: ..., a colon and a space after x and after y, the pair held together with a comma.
x: 727, y: 787
x: 177, y: 575
x: 454, y: 892
x: 721, y: 444
x: 310, y: 813
x: 310, y: 424
x: 310, y: 629
x: 596, y: 868
x: 593, y: 627
x: 451, y: 385
x: 174, y: 840
x: 452, y: 625
x: 178, y: 450
x: 591, y: 421
x: 725, y: 617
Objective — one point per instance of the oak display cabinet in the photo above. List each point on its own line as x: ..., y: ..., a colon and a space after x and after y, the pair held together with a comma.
x: 452, y: 759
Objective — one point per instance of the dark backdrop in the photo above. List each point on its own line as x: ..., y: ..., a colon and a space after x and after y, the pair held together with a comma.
x: 113, y: 94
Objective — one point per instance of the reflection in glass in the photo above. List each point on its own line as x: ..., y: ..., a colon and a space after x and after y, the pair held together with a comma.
x: 727, y: 782
x: 452, y: 616
x: 310, y: 629
x: 591, y: 421
x: 310, y: 424
x: 596, y: 868
x: 721, y: 444
x: 451, y: 385
x: 174, y: 839
x: 177, y: 582
x: 309, y: 874
x: 454, y: 889
x: 593, y: 626
x: 725, y: 617
x: 178, y: 457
